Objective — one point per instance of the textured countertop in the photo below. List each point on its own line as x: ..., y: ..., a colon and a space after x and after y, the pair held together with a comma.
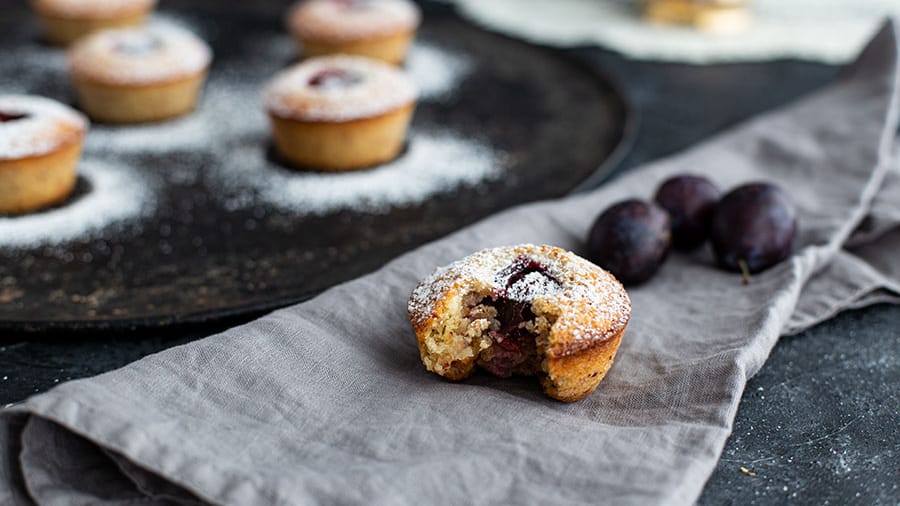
x: 817, y: 425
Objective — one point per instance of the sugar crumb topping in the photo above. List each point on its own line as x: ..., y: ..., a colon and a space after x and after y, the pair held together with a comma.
x: 377, y: 88
x: 591, y: 304
x: 139, y: 56
x: 44, y: 125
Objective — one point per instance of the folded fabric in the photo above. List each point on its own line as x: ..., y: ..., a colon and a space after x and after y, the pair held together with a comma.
x: 326, y: 402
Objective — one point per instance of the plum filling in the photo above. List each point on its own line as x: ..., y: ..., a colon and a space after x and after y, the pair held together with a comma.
x: 496, y: 326
x: 334, y: 79
x: 513, y: 343
x: 138, y: 45
x: 6, y: 116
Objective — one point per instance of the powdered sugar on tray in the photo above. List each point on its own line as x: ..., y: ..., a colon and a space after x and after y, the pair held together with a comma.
x: 117, y: 194
x: 436, y: 71
x: 433, y: 163
x: 239, y: 173
x: 242, y: 175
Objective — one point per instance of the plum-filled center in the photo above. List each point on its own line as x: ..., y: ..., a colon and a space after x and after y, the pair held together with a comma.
x: 515, y: 329
x: 334, y: 79
x: 9, y: 116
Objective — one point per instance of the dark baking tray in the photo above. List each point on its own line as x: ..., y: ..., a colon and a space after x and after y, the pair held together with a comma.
x: 557, y: 122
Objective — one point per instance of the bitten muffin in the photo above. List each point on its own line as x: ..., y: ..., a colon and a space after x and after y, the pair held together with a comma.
x: 715, y: 16
x: 381, y: 29
x: 40, y: 144
x: 138, y: 75
x: 339, y: 112
x: 64, y: 21
x: 528, y: 310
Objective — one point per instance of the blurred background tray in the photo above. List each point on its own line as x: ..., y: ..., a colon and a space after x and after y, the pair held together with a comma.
x: 203, y: 253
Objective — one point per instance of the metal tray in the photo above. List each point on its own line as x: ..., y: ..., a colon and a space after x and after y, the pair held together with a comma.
x: 552, y: 122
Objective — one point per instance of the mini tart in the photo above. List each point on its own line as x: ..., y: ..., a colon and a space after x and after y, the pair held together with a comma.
x: 40, y: 144
x: 723, y: 17
x: 64, y: 21
x: 339, y: 112
x: 527, y: 310
x: 138, y: 74
x: 380, y: 29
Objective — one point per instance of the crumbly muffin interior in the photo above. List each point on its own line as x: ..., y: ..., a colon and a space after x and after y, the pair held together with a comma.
x: 499, y: 330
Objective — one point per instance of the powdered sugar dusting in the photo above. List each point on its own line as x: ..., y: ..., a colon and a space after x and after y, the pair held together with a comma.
x: 379, y: 88
x: 135, y: 56
x: 590, y: 304
x: 433, y: 163
x: 436, y: 71
x: 350, y: 20
x: 117, y: 194
x: 46, y: 125
x: 531, y: 286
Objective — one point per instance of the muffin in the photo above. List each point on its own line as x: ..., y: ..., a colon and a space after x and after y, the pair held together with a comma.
x: 40, y: 144
x: 339, y: 112
x: 714, y: 16
x: 139, y: 74
x: 64, y: 21
x: 522, y: 310
x: 381, y: 29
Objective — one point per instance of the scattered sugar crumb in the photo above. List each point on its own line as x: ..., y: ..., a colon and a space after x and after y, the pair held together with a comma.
x: 433, y: 163
x: 436, y: 71
x: 117, y: 194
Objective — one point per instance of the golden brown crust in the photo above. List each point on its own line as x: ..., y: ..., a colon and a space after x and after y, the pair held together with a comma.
x: 573, y: 377
x: 36, y: 182
x: 91, y: 9
x: 64, y: 31
x: 391, y: 49
x: 341, y: 146
x: 137, y: 104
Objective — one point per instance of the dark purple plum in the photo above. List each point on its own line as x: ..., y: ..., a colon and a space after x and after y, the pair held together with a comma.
x: 631, y: 240
x: 334, y: 78
x: 11, y: 116
x: 753, y: 228
x: 690, y: 201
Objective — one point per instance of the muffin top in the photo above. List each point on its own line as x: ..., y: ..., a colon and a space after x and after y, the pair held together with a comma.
x: 34, y: 126
x: 338, y: 88
x: 91, y: 9
x: 588, y: 304
x: 352, y: 20
x: 139, y: 56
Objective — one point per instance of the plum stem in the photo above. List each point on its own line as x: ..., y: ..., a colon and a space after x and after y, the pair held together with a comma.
x: 745, y: 271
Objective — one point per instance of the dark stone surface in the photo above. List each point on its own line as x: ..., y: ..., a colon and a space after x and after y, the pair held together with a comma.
x: 818, y: 424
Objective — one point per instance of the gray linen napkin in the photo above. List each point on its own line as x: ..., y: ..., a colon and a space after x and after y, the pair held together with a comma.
x: 326, y: 402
